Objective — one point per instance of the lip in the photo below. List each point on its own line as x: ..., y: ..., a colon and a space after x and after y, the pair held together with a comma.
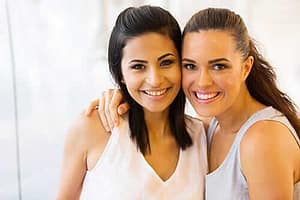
x: 205, y: 97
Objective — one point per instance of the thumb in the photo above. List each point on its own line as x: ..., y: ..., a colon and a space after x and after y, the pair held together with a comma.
x: 123, y: 108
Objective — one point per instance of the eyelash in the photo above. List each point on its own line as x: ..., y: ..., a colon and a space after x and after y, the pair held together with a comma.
x: 137, y: 67
x: 217, y: 67
x: 167, y: 62
x: 164, y: 63
x: 188, y: 66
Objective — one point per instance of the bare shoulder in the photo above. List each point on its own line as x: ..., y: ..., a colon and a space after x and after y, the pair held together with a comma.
x: 267, y: 134
x: 85, y: 131
x: 269, y: 158
x: 268, y: 148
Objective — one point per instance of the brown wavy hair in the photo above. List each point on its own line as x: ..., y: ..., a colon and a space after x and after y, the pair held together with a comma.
x: 261, y: 81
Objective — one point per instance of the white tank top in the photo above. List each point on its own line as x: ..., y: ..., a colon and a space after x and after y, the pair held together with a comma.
x: 123, y: 173
x: 227, y: 182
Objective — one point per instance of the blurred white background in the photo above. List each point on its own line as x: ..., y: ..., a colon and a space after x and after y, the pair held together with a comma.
x: 53, y: 63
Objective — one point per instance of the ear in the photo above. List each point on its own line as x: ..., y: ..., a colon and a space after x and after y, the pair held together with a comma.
x: 247, y: 66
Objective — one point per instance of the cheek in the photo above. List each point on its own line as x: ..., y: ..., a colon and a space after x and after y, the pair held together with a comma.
x: 187, y: 79
x: 230, y: 84
x: 133, y: 90
x: 129, y: 76
x: 177, y: 78
x: 184, y: 84
x: 131, y: 82
x: 174, y: 76
x: 224, y: 80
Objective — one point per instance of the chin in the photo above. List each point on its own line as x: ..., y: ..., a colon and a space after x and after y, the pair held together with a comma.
x: 155, y: 110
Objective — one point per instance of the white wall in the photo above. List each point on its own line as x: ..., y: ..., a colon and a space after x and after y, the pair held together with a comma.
x: 56, y: 61
x: 8, y: 146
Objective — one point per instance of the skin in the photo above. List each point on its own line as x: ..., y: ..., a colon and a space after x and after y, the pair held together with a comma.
x: 152, y: 74
x: 153, y: 80
x: 214, y: 75
x: 214, y: 80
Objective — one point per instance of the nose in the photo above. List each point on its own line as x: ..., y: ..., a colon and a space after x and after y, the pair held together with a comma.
x: 155, y: 77
x: 204, y: 78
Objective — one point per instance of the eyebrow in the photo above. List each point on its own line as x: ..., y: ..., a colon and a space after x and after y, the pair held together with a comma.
x: 210, y: 61
x: 137, y: 60
x: 218, y: 60
x: 159, y: 58
x: 165, y: 55
x: 188, y: 60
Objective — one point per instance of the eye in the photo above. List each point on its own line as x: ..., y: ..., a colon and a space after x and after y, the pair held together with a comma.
x: 137, y: 67
x: 189, y: 66
x: 167, y: 62
x: 219, y: 66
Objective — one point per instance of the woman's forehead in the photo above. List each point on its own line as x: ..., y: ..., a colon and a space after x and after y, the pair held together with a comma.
x: 211, y: 42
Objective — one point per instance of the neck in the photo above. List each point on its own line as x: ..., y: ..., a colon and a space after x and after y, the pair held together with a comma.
x: 234, y: 117
x: 158, y: 124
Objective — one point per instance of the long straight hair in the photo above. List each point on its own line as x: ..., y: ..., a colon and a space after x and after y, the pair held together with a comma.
x: 131, y: 23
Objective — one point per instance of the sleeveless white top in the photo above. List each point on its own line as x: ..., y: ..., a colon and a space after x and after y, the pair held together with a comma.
x: 123, y: 173
x: 227, y: 182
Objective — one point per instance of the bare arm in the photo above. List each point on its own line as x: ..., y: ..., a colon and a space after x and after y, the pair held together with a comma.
x: 74, y: 165
x: 268, y: 154
x: 84, y: 145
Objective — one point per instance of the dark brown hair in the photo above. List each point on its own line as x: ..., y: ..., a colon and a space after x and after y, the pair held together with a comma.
x: 131, y: 23
x: 261, y: 82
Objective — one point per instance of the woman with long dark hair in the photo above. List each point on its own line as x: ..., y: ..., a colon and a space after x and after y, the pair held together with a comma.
x: 155, y: 152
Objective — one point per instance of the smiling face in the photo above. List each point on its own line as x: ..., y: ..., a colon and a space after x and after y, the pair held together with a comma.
x: 151, y: 71
x: 214, y: 72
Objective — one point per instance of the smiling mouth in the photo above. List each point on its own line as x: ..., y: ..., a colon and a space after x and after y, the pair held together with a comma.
x: 205, y: 97
x: 155, y: 92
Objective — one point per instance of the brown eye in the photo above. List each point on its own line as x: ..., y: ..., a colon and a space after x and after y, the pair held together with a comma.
x: 137, y: 67
x: 166, y: 62
x: 218, y: 67
x: 188, y: 66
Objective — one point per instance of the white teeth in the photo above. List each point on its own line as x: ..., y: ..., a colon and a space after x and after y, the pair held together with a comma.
x: 206, y: 96
x: 155, y: 93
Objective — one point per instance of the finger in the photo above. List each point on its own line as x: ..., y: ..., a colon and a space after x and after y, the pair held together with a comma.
x: 108, y: 115
x: 93, y: 106
x: 101, y: 111
x: 115, y: 102
x: 123, y: 108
